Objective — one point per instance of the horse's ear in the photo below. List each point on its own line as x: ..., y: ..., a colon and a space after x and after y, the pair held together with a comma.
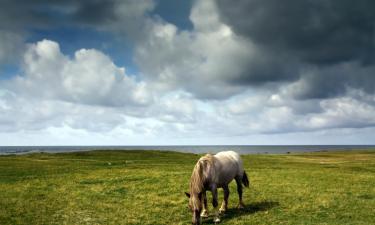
x: 187, y: 194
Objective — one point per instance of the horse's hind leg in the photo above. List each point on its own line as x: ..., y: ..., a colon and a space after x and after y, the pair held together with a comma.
x: 239, y: 190
x: 224, y: 205
x: 205, y: 209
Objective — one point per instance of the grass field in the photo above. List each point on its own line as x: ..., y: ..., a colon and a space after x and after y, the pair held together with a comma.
x: 147, y: 187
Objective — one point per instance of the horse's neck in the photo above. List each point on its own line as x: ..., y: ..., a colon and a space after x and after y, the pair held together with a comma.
x: 203, y: 172
x: 210, y: 170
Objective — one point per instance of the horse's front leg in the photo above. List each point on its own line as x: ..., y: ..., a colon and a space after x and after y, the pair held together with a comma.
x: 215, y: 204
x: 224, y: 205
x: 205, y: 208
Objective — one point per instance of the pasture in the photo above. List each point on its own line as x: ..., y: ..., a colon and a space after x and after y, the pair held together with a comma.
x: 147, y: 187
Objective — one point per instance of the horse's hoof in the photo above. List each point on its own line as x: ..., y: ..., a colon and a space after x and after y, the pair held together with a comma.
x: 204, y: 214
x: 222, y: 210
x: 240, y: 206
x: 217, y: 220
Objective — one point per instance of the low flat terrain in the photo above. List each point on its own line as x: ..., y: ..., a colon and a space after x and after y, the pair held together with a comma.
x: 147, y: 187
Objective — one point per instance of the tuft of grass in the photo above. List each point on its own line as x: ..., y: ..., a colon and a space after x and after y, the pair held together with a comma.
x: 147, y: 187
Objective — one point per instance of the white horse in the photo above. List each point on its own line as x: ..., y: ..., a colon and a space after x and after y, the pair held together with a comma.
x: 212, y: 172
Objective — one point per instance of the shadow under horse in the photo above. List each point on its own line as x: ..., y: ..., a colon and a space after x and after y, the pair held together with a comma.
x: 247, y: 210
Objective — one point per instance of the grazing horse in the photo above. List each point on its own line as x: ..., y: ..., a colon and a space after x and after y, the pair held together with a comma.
x: 212, y: 172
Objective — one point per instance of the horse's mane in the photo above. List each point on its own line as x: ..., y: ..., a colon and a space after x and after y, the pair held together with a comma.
x: 199, y: 175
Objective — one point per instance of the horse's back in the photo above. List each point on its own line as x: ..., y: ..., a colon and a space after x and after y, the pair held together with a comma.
x: 230, y: 164
x: 229, y: 154
x: 230, y: 157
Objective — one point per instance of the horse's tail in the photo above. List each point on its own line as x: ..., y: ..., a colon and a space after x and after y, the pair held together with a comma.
x: 245, y: 179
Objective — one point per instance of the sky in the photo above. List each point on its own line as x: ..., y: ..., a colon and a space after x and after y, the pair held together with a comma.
x: 187, y: 72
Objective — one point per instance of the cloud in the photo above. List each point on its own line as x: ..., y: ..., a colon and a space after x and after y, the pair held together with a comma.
x: 203, y: 61
x: 248, y: 70
x: 332, y: 81
x: 90, y: 77
x: 19, y: 14
x: 323, y: 47
x: 11, y: 46
x: 232, y: 47
x: 267, y: 113
x: 317, y: 32
x: 21, y: 19
x: 22, y: 113
x: 210, y: 61
x: 87, y: 92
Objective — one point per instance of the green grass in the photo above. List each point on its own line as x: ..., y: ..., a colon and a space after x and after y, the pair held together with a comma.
x: 147, y: 187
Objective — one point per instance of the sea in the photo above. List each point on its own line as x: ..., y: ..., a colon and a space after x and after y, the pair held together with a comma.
x: 198, y: 149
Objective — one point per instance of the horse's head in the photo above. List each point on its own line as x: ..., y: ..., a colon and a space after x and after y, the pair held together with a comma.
x: 195, y: 206
x: 197, y: 182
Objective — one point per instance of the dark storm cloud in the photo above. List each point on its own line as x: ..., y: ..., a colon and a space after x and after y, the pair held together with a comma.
x: 20, y: 18
x: 258, y: 70
x: 23, y: 20
x: 24, y: 14
x: 322, y: 36
x: 327, y: 82
x: 318, y: 32
x: 95, y: 12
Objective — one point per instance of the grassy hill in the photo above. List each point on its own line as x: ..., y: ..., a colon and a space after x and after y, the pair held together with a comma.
x: 147, y: 187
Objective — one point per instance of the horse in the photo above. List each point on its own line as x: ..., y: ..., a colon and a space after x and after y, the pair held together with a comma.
x: 210, y: 173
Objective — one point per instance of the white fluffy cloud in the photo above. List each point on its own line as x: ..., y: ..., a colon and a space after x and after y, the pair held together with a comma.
x: 90, y: 77
x: 201, y: 61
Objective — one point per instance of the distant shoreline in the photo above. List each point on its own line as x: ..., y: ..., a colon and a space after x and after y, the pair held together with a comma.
x: 199, y: 149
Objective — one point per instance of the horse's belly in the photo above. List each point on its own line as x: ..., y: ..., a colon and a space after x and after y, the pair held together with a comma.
x: 225, y: 179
